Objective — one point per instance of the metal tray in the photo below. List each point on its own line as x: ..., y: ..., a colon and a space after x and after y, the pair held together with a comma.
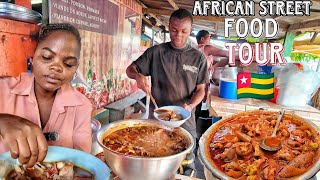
x: 19, y: 13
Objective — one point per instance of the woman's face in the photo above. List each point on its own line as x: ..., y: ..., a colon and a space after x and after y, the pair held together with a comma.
x: 55, y: 60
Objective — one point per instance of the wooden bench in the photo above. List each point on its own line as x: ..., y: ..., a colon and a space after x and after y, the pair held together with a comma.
x: 117, y: 108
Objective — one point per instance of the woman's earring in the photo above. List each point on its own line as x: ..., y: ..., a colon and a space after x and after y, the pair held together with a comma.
x: 75, y: 75
x: 29, y: 64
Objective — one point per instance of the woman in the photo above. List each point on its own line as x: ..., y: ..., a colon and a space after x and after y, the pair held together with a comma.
x: 43, y: 102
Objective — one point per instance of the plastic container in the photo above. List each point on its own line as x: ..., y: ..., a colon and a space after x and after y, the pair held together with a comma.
x: 264, y: 69
x: 228, y: 88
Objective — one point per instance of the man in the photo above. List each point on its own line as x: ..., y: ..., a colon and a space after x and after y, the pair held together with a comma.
x: 210, y: 51
x: 178, y: 71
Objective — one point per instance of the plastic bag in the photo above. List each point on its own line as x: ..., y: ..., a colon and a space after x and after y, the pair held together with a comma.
x: 297, y: 83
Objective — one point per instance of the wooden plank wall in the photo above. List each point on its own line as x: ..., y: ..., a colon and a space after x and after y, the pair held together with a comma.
x: 110, y: 55
x: 110, y: 49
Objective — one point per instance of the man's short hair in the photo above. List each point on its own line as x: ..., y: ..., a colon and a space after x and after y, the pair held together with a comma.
x: 201, y: 34
x: 182, y: 13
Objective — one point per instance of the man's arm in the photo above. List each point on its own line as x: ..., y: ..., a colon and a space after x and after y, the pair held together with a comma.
x: 214, y: 51
x: 196, y: 98
x: 133, y: 73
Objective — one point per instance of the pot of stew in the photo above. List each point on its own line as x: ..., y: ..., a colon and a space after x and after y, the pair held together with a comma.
x: 144, y: 149
x: 230, y: 149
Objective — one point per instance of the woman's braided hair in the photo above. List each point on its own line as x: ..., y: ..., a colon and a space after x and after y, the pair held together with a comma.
x: 49, y: 28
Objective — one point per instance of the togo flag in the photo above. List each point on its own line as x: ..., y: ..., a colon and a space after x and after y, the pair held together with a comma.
x: 252, y: 85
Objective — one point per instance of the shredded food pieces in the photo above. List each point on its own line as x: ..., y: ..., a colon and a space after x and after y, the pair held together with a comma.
x: 168, y: 115
x: 146, y: 141
x: 49, y: 171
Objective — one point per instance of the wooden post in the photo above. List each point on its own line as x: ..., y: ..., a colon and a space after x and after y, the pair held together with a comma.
x: 45, y: 11
x: 152, y: 37
x: 314, y: 37
x: 288, y: 43
x: 173, y: 4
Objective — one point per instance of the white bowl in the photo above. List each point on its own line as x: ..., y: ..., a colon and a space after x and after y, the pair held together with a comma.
x: 178, y: 110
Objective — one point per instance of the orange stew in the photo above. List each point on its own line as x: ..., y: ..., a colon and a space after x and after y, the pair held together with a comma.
x: 146, y: 141
x: 234, y: 146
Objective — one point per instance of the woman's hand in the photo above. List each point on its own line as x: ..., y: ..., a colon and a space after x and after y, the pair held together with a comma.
x: 24, y: 139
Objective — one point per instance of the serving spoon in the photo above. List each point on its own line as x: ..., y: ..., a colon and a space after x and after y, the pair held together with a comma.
x: 152, y: 99
x: 272, y: 143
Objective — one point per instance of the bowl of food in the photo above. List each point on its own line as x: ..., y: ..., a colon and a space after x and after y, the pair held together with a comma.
x: 230, y: 149
x: 172, y: 116
x: 144, y: 149
x: 60, y: 163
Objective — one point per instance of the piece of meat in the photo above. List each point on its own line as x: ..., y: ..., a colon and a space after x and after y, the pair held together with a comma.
x: 284, y: 154
x: 298, y: 133
x: 234, y: 174
x: 294, y: 144
x: 301, y: 160
x: 242, y: 136
x: 228, y: 154
x: 67, y: 171
x: 297, y: 166
x: 271, y: 174
x: 290, y: 171
x: 52, y: 170
x: 257, y: 150
x: 37, y: 172
x: 243, y: 148
x: 216, y: 145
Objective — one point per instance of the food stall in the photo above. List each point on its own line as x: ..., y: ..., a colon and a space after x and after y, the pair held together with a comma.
x: 113, y: 36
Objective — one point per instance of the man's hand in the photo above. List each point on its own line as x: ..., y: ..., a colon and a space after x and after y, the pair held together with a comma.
x: 188, y: 107
x: 24, y: 139
x: 141, y: 79
x: 142, y: 82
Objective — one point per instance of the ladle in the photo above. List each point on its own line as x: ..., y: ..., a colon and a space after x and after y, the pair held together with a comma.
x: 272, y: 143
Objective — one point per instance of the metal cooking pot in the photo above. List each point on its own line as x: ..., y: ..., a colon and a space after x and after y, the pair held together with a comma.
x: 226, y: 73
x: 20, y: 13
x: 217, y: 174
x: 133, y: 168
x: 95, y: 127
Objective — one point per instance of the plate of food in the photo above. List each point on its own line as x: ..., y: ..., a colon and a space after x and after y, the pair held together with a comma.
x: 230, y: 148
x: 60, y: 163
x: 172, y: 116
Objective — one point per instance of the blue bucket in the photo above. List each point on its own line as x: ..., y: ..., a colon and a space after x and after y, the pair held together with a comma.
x: 215, y: 119
x: 264, y: 69
x: 228, y: 88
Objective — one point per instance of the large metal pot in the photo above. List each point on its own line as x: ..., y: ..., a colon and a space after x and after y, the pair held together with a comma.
x: 217, y: 174
x: 133, y: 168
x: 20, y: 13
x: 226, y: 73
